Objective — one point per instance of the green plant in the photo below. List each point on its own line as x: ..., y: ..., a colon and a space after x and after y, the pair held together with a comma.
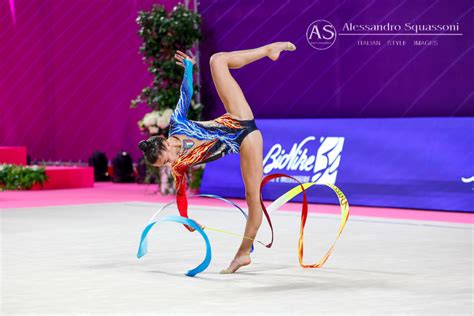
x: 196, y: 176
x: 163, y: 33
x: 15, y: 177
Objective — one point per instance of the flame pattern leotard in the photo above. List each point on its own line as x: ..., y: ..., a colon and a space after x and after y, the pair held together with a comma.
x: 218, y: 137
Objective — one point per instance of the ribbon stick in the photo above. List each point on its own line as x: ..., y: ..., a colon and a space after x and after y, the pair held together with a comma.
x: 143, y: 247
x: 233, y: 234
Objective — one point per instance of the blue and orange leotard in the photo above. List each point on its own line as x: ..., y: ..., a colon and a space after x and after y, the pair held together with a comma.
x: 218, y: 137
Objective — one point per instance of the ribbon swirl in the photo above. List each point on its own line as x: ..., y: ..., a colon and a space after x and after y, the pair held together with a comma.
x: 280, y: 201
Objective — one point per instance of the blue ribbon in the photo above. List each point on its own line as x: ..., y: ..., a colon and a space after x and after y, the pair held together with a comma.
x: 143, y: 248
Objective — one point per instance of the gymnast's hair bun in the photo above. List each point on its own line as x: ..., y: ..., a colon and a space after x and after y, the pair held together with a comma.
x: 143, y: 145
x: 152, y: 148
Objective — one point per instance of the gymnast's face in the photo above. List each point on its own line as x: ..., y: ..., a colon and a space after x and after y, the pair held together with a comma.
x: 167, y: 157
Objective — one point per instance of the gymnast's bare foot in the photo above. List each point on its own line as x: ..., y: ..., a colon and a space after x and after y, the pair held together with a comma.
x: 239, y: 261
x: 277, y: 47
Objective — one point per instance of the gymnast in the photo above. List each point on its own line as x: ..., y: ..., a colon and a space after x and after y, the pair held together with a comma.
x: 195, y: 142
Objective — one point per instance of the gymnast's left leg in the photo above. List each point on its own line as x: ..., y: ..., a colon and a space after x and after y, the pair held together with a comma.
x: 251, y: 164
x: 227, y: 87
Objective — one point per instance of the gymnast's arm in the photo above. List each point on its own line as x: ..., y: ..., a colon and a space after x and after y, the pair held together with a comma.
x: 186, y: 91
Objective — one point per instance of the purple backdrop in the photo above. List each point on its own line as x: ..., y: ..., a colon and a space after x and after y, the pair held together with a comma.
x: 69, y: 70
x: 347, y: 79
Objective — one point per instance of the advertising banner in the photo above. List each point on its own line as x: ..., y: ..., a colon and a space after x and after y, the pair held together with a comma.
x: 419, y: 163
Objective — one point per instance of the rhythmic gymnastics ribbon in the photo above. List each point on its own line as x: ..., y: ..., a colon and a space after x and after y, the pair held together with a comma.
x: 200, y: 195
x: 280, y: 201
x: 304, y: 213
x: 143, y: 248
x: 213, y: 196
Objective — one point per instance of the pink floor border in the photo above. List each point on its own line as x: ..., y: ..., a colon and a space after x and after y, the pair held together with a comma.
x: 106, y: 192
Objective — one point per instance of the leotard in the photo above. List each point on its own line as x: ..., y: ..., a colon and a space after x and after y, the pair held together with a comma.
x: 218, y: 137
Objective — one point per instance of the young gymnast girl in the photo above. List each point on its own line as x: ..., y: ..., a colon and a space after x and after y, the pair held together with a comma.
x: 196, y: 142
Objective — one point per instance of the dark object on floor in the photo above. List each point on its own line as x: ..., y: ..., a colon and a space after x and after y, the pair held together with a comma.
x: 123, y: 168
x: 100, y: 163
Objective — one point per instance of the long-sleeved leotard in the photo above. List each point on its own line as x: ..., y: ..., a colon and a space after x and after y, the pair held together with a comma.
x: 219, y: 137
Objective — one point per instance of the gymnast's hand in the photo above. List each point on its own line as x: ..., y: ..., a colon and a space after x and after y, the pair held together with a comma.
x: 179, y: 56
x: 192, y: 229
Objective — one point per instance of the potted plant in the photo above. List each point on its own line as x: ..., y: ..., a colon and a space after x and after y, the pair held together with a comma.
x: 162, y: 34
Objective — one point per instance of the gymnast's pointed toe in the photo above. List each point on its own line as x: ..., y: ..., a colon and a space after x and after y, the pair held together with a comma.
x: 290, y: 46
x: 236, y: 264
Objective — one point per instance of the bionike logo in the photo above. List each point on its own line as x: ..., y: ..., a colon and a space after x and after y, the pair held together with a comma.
x: 301, y: 164
x: 321, y: 34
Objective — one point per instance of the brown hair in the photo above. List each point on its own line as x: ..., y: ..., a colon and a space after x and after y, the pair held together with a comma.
x: 152, y: 148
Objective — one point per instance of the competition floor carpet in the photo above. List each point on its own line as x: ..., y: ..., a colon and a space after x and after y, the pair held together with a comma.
x: 81, y: 259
